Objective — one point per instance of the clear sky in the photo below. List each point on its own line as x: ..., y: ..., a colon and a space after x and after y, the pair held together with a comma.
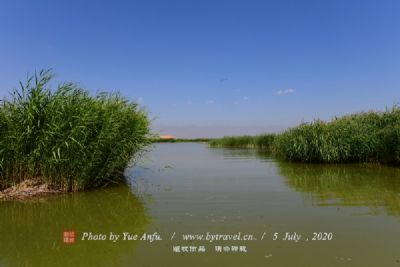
x: 211, y: 65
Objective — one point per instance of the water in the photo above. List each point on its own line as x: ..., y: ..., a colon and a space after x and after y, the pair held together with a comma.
x: 192, y: 189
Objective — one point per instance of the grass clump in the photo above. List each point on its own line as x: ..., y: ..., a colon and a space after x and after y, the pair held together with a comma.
x: 66, y: 137
x: 361, y: 137
x: 365, y: 137
x: 263, y: 141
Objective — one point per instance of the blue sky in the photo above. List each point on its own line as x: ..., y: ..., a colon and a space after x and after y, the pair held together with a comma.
x: 253, y: 65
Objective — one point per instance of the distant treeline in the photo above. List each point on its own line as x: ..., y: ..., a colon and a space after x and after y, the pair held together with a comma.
x: 362, y: 137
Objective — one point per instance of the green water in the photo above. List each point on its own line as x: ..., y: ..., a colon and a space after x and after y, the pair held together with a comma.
x: 188, y: 188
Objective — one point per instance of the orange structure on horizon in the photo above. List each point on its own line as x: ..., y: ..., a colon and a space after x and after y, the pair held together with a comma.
x: 167, y: 136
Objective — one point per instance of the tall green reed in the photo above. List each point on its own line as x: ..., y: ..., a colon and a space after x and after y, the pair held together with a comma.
x: 372, y: 137
x: 361, y: 137
x: 66, y: 137
x: 264, y: 141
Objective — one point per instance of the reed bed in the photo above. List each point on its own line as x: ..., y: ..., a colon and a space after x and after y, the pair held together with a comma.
x: 264, y: 141
x: 66, y: 137
x: 362, y: 137
x: 367, y: 137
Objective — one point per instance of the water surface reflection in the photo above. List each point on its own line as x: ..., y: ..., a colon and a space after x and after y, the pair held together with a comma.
x: 377, y: 187
x: 31, y: 231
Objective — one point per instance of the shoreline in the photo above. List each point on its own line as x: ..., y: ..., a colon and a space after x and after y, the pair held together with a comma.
x: 27, y: 189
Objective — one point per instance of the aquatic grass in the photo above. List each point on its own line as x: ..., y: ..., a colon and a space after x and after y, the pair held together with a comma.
x: 365, y: 137
x: 66, y: 137
x: 263, y: 141
x: 362, y: 137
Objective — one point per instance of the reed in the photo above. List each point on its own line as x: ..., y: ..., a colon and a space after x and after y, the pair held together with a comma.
x: 362, y: 137
x: 66, y: 137
x: 264, y: 141
x: 366, y: 137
